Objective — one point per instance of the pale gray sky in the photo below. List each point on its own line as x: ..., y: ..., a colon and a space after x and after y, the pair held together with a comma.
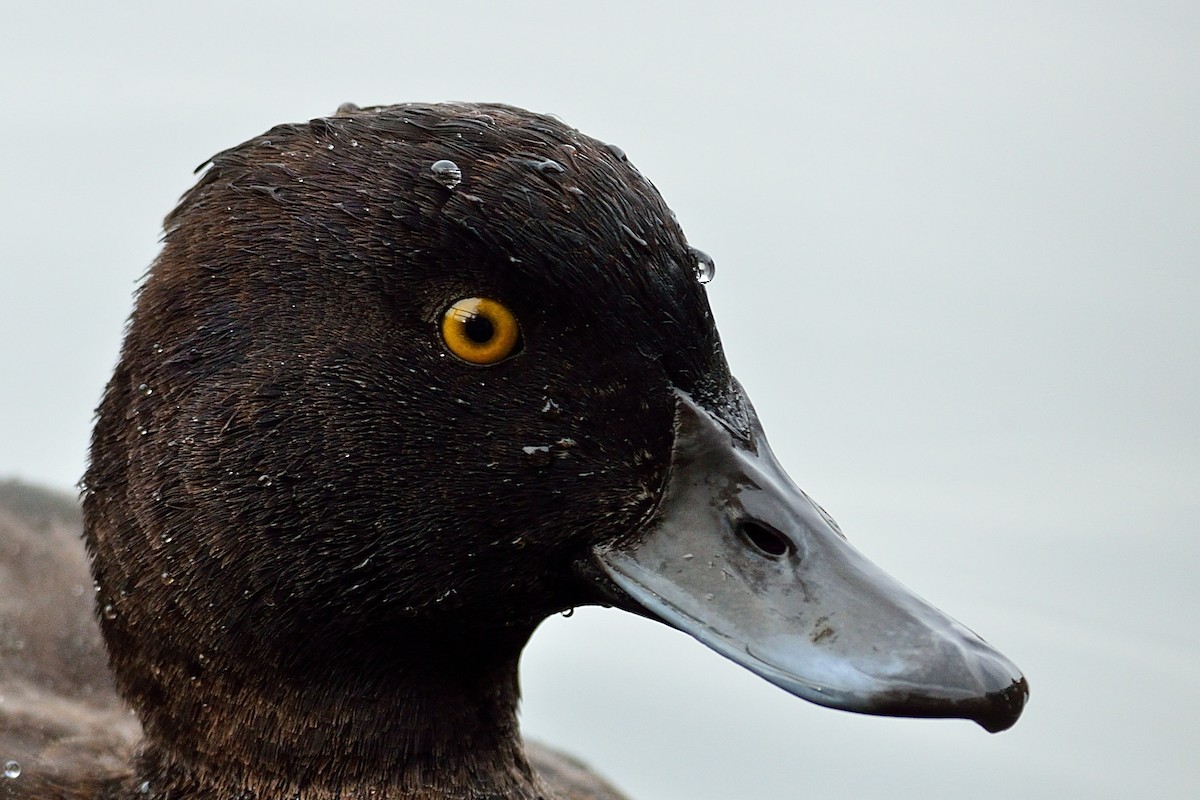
x: 958, y: 253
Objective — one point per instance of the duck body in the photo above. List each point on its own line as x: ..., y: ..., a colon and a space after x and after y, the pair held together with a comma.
x: 320, y: 535
x: 61, y: 722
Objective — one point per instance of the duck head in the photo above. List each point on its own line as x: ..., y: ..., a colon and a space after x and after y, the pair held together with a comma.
x: 405, y: 381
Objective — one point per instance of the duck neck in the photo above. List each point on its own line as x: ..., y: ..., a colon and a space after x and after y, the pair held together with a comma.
x: 435, y: 718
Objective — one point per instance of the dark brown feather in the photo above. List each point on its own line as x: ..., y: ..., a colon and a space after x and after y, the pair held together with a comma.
x: 60, y: 720
x: 319, y: 542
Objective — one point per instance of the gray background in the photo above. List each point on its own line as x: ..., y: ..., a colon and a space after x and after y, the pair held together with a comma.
x: 957, y: 249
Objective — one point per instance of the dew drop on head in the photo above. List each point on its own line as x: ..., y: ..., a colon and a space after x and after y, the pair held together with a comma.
x: 547, y: 166
x: 12, y: 769
x: 447, y: 173
x: 706, y: 268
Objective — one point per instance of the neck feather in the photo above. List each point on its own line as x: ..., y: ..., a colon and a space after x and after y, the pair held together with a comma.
x: 435, y: 720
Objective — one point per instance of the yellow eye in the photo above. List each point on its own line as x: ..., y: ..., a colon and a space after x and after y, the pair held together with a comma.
x: 480, y: 331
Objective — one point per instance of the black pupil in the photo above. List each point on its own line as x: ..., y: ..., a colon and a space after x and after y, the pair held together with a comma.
x: 479, y: 329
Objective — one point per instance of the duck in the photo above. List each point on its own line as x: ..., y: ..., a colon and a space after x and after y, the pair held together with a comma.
x: 403, y: 382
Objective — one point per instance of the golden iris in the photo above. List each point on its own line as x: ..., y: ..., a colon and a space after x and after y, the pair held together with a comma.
x: 480, y: 330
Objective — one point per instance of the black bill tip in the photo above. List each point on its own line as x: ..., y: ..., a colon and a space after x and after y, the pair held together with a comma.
x: 1002, y: 709
x: 994, y: 712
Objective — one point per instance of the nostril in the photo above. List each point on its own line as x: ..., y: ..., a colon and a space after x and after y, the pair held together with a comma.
x: 766, y: 541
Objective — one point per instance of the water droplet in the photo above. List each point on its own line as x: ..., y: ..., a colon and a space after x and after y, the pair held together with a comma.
x: 546, y: 166
x: 618, y: 152
x: 12, y: 769
x: 570, y: 612
x: 110, y: 612
x: 141, y: 429
x: 144, y: 787
x: 447, y: 173
x: 706, y: 268
x: 166, y: 576
x: 146, y: 390
x: 539, y: 453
